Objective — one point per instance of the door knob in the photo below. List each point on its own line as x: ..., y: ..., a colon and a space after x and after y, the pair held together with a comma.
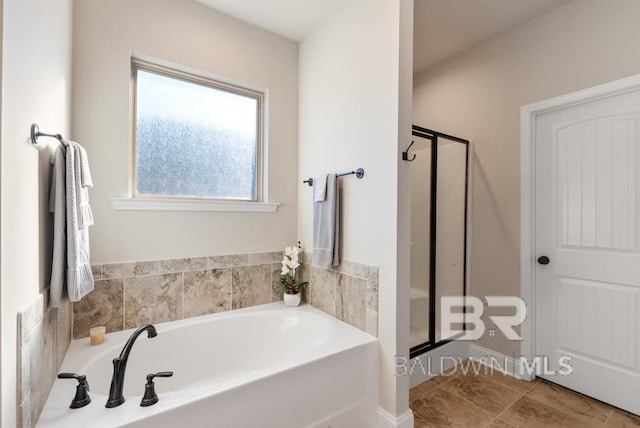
x: 543, y: 260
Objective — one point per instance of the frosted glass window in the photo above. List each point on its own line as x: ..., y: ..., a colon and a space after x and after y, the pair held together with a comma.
x: 195, y: 137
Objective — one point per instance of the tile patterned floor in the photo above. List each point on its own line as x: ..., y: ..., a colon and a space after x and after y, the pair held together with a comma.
x: 467, y: 400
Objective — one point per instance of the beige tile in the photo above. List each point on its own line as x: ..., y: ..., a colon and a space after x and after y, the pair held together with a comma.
x: 146, y: 268
x: 206, y: 292
x: 251, y: 285
x: 510, y: 382
x: 440, y: 408
x: 372, y: 322
x: 530, y: 413
x: 492, y: 397
x: 96, y: 270
x: 358, y: 270
x: 322, y: 289
x: 419, y: 422
x: 183, y: 265
x: 622, y: 419
x: 499, y: 423
x: 265, y: 258
x: 304, y: 275
x: 276, y: 288
x: 570, y: 402
x: 103, y: 306
x: 118, y: 270
x: 372, y: 291
x: 153, y: 299
x: 231, y: 260
x: 63, y: 332
x: 350, y: 298
x: 424, y: 388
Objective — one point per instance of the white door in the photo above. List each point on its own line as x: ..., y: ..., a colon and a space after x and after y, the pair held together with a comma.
x: 587, y: 180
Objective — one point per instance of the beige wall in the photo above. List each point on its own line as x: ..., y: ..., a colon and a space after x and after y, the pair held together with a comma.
x: 190, y: 34
x: 350, y: 95
x: 36, y: 87
x: 478, y: 95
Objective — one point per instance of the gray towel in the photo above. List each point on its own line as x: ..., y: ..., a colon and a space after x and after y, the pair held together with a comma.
x: 71, y: 276
x: 326, y: 226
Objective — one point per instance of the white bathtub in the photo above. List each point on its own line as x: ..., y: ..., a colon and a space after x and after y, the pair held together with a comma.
x: 265, y: 366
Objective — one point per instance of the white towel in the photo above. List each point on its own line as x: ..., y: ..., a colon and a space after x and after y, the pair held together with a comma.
x: 326, y: 227
x: 71, y: 276
x: 320, y: 188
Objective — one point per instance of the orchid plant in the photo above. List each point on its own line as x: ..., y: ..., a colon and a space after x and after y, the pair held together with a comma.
x: 290, y: 264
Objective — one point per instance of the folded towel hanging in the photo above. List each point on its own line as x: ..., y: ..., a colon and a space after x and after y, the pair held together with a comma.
x: 71, y: 276
x: 326, y: 226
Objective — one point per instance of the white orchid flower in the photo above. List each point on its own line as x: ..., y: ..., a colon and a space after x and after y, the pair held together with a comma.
x: 289, y: 251
x: 285, y: 270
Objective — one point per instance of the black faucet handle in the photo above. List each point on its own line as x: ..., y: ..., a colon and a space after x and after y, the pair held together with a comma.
x: 150, y: 396
x: 150, y: 376
x: 81, y: 398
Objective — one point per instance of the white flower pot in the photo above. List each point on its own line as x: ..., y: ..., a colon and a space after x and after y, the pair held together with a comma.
x: 291, y: 299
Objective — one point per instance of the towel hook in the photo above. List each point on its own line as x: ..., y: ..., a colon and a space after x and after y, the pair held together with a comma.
x: 405, y: 154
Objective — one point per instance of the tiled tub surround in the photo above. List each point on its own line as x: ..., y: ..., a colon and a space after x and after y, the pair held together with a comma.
x: 44, y: 335
x: 129, y: 294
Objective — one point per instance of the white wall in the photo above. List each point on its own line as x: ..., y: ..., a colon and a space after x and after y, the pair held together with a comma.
x: 478, y: 94
x: 350, y: 94
x: 190, y: 34
x: 36, y: 76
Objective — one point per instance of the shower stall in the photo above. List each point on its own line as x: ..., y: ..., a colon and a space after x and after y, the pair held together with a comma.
x: 439, y: 221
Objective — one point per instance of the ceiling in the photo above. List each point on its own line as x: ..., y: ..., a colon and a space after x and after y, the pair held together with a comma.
x: 442, y: 28
x: 445, y: 28
x: 293, y: 19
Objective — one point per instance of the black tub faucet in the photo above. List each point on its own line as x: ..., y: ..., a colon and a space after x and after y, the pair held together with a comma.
x: 116, y: 397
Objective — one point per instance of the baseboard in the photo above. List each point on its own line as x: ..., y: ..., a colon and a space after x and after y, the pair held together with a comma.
x: 499, y: 362
x: 387, y: 420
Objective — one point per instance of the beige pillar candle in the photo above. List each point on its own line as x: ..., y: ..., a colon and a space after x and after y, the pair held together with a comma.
x: 97, y: 335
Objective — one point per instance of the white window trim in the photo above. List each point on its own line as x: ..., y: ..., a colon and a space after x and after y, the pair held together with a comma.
x: 136, y: 204
x: 177, y: 204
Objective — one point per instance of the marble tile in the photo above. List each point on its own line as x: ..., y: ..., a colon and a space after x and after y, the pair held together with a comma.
x: 182, y: 265
x: 265, y: 258
x: 206, y: 292
x: 499, y: 423
x: 424, y: 388
x: 322, y: 290
x: 440, y: 408
x: 351, y: 295
x: 24, y: 413
x: 577, y: 405
x: 304, y: 275
x: 419, y: 422
x: 490, y: 396
x: 372, y: 322
x: 24, y: 371
x: 152, y: 299
x: 276, y: 288
x: 96, y: 270
x: 510, y: 382
x: 146, y: 268
x: 527, y: 412
x: 372, y: 291
x: 63, y: 332
x: 622, y: 419
x: 231, y: 260
x: 31, y: 317
x: 103, y: 306
x: 118, y: 270
x: 358, y: 270
x: 41, y: 366
x: 251, y: 285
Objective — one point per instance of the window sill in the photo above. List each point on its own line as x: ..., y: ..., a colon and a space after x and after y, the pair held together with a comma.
x: 132, y: 204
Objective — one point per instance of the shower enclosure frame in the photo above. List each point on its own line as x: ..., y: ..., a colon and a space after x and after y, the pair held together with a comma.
x: 433, y: 136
